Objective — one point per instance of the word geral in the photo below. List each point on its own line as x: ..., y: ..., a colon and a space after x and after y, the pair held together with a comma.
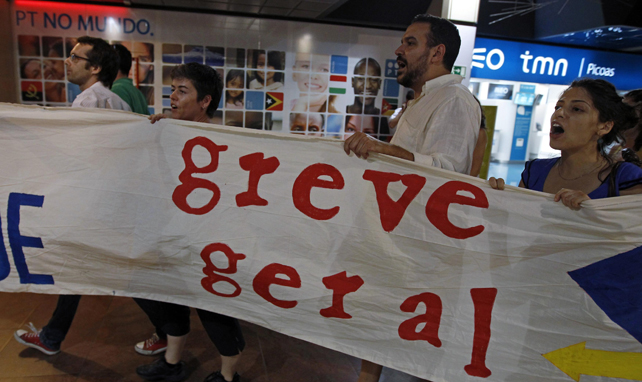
x: 423, y: 327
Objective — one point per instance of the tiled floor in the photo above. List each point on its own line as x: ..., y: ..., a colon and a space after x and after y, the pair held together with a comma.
x: 99, y: 347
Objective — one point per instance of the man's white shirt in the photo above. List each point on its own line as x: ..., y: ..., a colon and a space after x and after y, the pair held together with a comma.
x: 98, y: 96
x: 441, y: 126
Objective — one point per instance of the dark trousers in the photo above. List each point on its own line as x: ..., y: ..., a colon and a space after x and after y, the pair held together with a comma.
x: 167, y: 318
x: 225, y: 332
x: 56, y: 330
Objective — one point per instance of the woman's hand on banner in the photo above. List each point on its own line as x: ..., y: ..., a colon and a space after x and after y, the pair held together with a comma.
x: 156, y: 117
x: 496, y: 183
x: 571, y: 198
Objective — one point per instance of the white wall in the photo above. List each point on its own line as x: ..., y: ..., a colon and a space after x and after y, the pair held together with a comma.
x: 554, y: 91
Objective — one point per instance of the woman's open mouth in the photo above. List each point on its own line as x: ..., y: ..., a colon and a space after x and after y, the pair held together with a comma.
x: 556, y: 130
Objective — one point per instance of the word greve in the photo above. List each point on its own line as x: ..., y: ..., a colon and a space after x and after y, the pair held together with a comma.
x: 315, y: 176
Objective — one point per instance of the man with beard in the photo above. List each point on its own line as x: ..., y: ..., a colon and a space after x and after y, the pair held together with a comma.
x: 440, y: 126
x: 366, y: 80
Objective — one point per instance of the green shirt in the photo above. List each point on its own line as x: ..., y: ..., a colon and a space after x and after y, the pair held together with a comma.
x: 126, y: 90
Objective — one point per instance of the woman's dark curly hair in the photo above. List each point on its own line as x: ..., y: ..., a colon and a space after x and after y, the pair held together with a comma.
x: 610, y: 108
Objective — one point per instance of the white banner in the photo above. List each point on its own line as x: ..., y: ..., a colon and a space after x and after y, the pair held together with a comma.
x: 415, y: 268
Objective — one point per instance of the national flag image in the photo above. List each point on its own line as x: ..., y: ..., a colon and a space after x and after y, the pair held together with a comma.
x: 273, y: 101
x: 388, y: 106
x: 31, y: 90
x: 338, y: 84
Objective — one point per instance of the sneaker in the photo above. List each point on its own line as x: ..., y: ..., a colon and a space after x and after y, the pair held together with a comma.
x: 32, y: 339
x: 153, y: 345
x: 159, y: 370
x: 218, y: 377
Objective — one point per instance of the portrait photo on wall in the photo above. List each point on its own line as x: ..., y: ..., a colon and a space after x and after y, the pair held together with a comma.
x: 234, y: 85
x: 268, y: 69
x: 30, y: 68
x: 312, y: 124
x: 144, y: 71
x: 54, y: 64
x: 311, y: 72
x: 366, y: 82
x: 377, y: 127
x: 55, y: 92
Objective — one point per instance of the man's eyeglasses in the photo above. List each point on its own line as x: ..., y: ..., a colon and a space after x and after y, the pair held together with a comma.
x: 74, y: 58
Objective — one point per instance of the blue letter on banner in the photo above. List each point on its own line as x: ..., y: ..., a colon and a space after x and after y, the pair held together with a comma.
x: 17, y: 241
x: 5, y: 268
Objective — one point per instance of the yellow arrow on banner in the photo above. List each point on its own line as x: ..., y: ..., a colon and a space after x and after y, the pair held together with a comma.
x: 576, y: 360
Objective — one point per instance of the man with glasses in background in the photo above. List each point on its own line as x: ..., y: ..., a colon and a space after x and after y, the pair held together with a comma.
x: 92, y: 65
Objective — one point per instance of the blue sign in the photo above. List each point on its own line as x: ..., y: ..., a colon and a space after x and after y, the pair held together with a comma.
x: 545, y: 64
x: 523, y: 115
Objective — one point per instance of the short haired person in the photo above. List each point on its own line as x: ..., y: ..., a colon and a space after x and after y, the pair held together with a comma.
x: 196, y: 92
x: 124, y: 86
x: 92, y: 65
x: 440, y: 126
x: 366, y: 84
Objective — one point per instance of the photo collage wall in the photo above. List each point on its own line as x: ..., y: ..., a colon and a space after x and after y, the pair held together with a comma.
x: 42, y: 70
x: 252, y: 82
x: 303, y: 93
x: 298, y: 92
x: 304, y: 78
x: 43, y: 77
